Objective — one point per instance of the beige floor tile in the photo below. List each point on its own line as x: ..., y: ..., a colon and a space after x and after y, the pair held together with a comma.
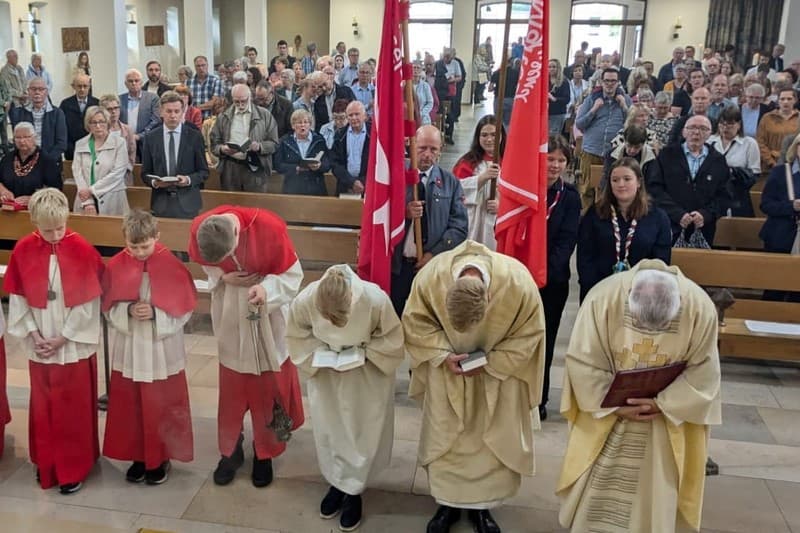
x: 787, y: 496
x: 420, y: 486
x: 784, y: 424
x: 399, y: 477
x: 754, y: 460
x: 16, y: 377
x: 551, y: 440
x: 106, y: 488
x: 538, y: 492
x: 748, y: 394
x: 788, y: 397
x: 743, y: 505
x: 206, y: 371
x: 206, y: 345
x: 203, y: 401
x: 17, y: 429
x: 174, y: 525
x: 206, y: 450
x: 299, y: 461
x: 13, y: 459
x: 407, y: 423
x: 20, y: 515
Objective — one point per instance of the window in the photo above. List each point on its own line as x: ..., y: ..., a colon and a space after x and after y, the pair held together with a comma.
x: 132, y: 36
x: 430, y: 27
x: 490, y: 22
x: 173, y: 30
x: 611, y: 26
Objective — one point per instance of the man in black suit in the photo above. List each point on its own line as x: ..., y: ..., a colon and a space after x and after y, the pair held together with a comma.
x: 331, y: 91
x: 172, y: 150
x: 74, y: 108
x: 350, y: 166
x: 280, y: 107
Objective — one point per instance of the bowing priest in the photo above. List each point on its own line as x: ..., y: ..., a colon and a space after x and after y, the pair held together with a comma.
x: 344, y: 335
x: 648, y: 456
x: 253, y: 275
x: 477, y: 421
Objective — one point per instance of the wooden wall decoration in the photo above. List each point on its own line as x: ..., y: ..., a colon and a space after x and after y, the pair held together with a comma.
x: 75, y: 39
x: 154, y: 35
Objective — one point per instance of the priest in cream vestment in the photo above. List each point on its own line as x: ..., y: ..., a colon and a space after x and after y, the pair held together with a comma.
x: 344, y: 335
x: 477, y: 426
x: 640, y: 467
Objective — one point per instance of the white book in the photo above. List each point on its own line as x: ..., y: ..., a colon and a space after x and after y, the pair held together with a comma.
x: 474, y: 360
x: 348, y: 359
x: 165, y: 179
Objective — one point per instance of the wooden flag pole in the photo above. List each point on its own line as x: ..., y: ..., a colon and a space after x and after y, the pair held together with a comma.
x: 499, y: 96
x: 412, y: 144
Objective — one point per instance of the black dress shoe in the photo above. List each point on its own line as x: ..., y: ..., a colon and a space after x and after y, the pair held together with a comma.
x: 712, y: 468
x: 70, y: 488
x: 262, y: 472
x: 482, y: 521
x: 443, y: 519
x: 227, y: 466
x: 135, y: 473
x: 331, y: 503
x: 351, y: 513
x: 543, y: 412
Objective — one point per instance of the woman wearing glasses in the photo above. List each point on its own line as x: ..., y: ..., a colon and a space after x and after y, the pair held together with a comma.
x: 99, y: 167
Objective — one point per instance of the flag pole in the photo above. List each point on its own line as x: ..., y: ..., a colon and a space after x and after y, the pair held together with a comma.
x: 412, y: 142
x: 500, y: 94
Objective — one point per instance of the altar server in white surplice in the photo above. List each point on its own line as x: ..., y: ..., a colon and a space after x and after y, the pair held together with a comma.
x: 344, y: 335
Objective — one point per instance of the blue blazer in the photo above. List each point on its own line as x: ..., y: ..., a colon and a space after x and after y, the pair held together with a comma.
x: 781, y: 225
x: 148, y: 118
x: 597, y: 252
x: 54, y: 130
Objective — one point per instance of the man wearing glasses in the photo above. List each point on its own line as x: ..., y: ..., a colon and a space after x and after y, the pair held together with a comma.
x: 49, y: 123
x: 74, y: 108
x: 687, y: 180
x: 600, y: 117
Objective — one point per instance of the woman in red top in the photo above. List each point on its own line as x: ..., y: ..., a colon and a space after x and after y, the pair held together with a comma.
x: 191, y: 114
x: 476, y: 169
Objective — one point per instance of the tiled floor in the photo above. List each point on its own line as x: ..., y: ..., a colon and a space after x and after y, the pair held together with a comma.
x: 757, y: 448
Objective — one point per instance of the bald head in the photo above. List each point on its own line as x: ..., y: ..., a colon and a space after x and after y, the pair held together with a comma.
x: 81, y: 84
x: 429, y: 146
x: 356, y: 115
x: 696, y: 132
x: 701, y: 97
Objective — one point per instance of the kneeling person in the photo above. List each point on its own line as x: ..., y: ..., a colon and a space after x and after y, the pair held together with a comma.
x: 345, y: 336
x: 148, y: 296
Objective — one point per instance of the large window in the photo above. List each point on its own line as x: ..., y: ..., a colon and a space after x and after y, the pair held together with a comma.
x: 430, y: 27
x: 490, y: 22
x: 610, y: 26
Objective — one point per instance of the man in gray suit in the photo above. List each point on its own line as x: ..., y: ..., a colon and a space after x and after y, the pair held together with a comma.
x: 138, y: 108
x: 175, y: 151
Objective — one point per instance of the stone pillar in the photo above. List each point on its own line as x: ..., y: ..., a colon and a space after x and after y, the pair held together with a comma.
x: 198, y: 24
x: 255, y: 28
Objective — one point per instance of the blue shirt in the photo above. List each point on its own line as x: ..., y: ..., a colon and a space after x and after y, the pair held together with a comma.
x: 355, y: 147
x: 348, y: 75
x: 303, y: 145
x: 204, y: 91
x: 365, y: 95
x: 750, y: 121
x: 695, y: 162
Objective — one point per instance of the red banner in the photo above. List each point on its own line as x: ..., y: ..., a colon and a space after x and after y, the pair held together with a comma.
x: 384, y: 200
x: 521, y: 228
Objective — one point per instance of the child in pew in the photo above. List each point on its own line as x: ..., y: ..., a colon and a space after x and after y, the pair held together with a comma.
x: 148, y: 296
x: 54, y: 282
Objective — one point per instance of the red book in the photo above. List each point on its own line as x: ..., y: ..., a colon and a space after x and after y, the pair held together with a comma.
x: 641, y: 383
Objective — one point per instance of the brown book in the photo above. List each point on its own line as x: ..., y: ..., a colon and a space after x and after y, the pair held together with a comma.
x: 641, y: 383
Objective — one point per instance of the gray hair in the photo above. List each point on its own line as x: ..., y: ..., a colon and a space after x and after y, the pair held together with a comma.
x: 755, y: 89
x: 663, y: 97
x: 654, y: 300
x: 24, y: 126
x: 186, y: 69
x: 288, y: 73
x: 240, y: 76
x: 36, y: 79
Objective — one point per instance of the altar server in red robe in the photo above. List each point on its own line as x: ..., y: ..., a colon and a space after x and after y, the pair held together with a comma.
x: 148, y: 296
x: 253, y: 275
x: 53, y: 279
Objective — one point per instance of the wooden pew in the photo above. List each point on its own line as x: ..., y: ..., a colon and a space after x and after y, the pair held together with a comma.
x: 739, y: 233
x: 748, y: 270
x: 595, y: 178
x: 294, y: 209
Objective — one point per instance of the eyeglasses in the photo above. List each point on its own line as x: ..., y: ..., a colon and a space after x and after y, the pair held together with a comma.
x: 37, y: 89
x: 242, y: 102
x: 704, y: 129
x: 97, y: 122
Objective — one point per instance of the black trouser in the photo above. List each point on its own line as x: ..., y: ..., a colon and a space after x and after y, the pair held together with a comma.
x: 401, y: 284
x: 554, y: 298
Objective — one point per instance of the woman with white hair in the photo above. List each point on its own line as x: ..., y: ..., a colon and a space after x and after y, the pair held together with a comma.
x: 662, y: 120
x: 26, y: 169
x: 99, y: 167
x: 37, y: 70
x: 302, y: 158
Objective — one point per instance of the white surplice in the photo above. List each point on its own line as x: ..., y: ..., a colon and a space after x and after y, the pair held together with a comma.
x: 146, y: 350
x: 80, y: 324
x: 352, y: 411
x: 481, y: 223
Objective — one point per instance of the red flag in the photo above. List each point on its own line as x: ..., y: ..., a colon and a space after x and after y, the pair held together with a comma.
x: 521, y: 228
x: 383, y: 219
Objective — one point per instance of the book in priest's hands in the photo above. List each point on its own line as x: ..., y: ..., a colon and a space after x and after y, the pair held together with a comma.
x: 474, y: 360
x: 165, y: 179
x: 348, y: 358
x: 641, y: 383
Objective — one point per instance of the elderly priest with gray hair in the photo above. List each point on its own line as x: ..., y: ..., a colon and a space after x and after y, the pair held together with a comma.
x: 637, y: 463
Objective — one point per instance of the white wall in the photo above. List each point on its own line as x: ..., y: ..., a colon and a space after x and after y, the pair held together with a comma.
x: 659, y: 26
x: 368, y: 13
x: 790, y: 30
x: 231, y: 29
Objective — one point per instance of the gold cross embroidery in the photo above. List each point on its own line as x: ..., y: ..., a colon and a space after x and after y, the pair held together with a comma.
x: 644, y: 355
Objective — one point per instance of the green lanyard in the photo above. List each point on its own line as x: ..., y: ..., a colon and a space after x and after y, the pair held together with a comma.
x: 94, y: 158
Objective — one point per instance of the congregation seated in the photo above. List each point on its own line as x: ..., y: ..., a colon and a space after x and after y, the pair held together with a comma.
x: 26, y: 169
x: 301, y: 177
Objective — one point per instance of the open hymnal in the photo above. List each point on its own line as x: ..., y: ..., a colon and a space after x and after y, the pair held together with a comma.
x: 347, y: 359
x: 313, y: 159
x: 474, y: 360
x: 641, y: 383
x: 165, y: 179
x: 239, y: 147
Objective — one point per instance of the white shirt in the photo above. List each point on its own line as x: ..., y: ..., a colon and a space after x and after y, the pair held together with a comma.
x: 177, y: 146
x: 410, y: 246
x: 742, y: 152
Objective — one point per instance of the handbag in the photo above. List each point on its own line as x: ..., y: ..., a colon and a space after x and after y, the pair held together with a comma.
x: 790, y: 191
x: 696, y: 240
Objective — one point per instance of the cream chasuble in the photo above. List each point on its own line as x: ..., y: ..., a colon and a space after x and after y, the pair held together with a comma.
x: 229, y: 312
x: 621, y: 475
x: 477, y: 432
x: 481, y: 223
x: 80, y: 324
x: 146, y: 350
x: 352, y: 411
